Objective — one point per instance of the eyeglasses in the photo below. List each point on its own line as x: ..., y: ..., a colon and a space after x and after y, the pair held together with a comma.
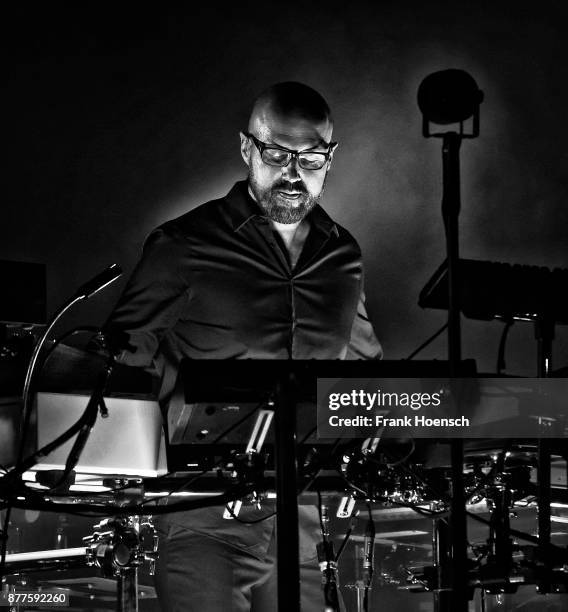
x: 280, y: 156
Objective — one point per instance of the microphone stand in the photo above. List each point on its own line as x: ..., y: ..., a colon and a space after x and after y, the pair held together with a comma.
x: 328, y: 563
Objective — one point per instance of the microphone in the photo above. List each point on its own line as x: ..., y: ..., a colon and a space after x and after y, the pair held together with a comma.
x: 449, y: 96
x: 368, y: 553
x: 100, y: 281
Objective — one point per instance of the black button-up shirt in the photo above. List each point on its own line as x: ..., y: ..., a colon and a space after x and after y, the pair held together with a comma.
x: 216, y: 283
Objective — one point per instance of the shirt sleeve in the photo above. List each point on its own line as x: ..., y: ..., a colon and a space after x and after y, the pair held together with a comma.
x: 363, y: 343
x: 152, y: 301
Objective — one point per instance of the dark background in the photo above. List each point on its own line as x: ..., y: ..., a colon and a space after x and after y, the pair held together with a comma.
x: 121, y: 118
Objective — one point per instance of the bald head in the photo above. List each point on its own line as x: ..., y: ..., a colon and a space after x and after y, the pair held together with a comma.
x: 291, y: 108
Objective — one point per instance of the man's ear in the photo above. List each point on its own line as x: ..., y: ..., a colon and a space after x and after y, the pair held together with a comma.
x: 245, y: 147
x: 331, y: 152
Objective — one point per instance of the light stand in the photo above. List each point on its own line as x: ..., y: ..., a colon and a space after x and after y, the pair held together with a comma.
x: 451, y: 97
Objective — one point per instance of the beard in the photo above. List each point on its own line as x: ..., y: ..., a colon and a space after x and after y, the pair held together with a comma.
x: 277, y: 207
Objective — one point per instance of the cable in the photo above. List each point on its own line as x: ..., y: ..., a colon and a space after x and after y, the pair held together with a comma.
x: 426, y: 343
x: 96, y: 402
x: 320, y: 515
x: 352, y: 525
x: 501, y: 353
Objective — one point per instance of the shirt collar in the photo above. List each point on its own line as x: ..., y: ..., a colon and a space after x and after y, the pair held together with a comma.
x: 242, y: 208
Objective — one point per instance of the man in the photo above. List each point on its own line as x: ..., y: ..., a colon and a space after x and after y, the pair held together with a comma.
x: 262, y: 273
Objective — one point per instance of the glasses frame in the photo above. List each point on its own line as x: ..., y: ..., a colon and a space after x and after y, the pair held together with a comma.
x: 263, y: 146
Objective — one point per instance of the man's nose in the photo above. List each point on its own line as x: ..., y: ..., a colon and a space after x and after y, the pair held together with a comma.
x: 291, y: 170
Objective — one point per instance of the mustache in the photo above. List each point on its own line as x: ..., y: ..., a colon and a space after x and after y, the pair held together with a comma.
x: 287, y: 186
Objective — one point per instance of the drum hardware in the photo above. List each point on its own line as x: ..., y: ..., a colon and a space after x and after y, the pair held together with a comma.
x: 501, y: 565
x: 119, y: 546
x: 373, y: 479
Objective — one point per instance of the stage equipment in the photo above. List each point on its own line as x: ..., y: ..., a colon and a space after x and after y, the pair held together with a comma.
x: 328, y: 563
x: 415, y: 475
x: 214, y: 397
x: 285, y: 383
x: 129, y: 442
x: 444, y: 98
x: 501, y: 564
x: 84, y: 292
x: 449, y: 96
x: 490, y: 290
x: 118, y: 547
x: 10, y: 479
x: 368, y: 562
